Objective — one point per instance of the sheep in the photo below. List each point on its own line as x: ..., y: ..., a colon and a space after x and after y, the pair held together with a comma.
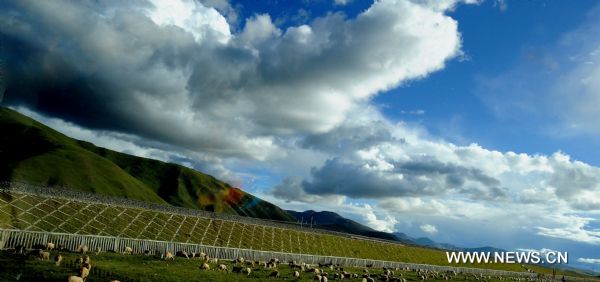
x: 240, y: 260
x: 50, y: 246
x: 44, y: 255
x: 323, y: 278
x: 248, y: 270
x: 128, y: 251
x: 317, y: 278
x: 82, y: 249
x: 169, y: 256
x: 57, y: 260
x: 274, y: 274
x: 87, y: 265
x: 79, y: 260
x: 84, y: 273
x: 222, y: 267
x: 183, y: 254
x: 73, y: 278
x: 296, y: 274
x: 204, y: 266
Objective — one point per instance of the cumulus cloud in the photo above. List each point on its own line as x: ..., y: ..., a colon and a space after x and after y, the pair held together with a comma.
x: 178, y: 74
x: 429, y: 229
x: 405, y: 171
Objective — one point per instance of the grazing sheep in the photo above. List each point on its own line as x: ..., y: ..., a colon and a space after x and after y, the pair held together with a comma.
x: 50, y: 246
x: 240, y: 260
x: 182, y: 254
x: 222, y: 267
x: 323, y: 278
x: 317, y: 278
x: 44, y: 255
x: 73, y: 278
x: 84, y: 273
x: 296, y: 274
x: 274, y: 274
x: 204, y: 266
x: 248, y: 270
x: 169, y: 256
x: 82, y: 249
x: 58, y: 259
x: 87, y: 265
x: 128, y: 251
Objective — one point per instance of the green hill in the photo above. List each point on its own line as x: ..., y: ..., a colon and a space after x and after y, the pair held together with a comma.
x: 34, y: 153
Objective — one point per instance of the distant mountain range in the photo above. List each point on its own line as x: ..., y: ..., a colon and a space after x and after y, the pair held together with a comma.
x: 34, y: 153
x: 336, y: 222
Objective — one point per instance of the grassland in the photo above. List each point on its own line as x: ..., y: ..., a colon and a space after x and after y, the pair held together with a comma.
x: 38, y: 213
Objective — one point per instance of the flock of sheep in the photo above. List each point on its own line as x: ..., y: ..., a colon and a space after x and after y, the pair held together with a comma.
x: 319, y: 272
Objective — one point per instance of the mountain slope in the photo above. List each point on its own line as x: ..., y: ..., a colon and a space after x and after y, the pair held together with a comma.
x: 333, y: 221
x: 34, y: 153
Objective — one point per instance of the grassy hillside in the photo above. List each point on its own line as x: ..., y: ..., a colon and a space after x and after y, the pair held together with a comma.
x: 34, y: 153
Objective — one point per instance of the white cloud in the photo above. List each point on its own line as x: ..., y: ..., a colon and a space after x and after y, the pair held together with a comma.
x: 341, y: 2
x: 589, y: 260
x: 429, y: 229
x: 385, y: 223
x: 200, y: 86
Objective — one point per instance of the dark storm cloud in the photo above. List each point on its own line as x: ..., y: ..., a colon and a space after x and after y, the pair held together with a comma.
x: 176, y: 74
x: 419, y: 177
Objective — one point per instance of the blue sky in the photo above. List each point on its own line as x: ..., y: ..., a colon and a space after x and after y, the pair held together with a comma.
x: 470, y: 122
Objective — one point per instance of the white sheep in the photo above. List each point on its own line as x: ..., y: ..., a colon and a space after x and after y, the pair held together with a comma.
x: 169, y: 256
x: 205, y: 266
x: 296, y: 274
x: 82, y: 249
x: 44, y: 255
x: 50, y: 246
x: 222, y: 267
x: 73, y: 278
x: 128, y: 251
x: 58, y: 259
